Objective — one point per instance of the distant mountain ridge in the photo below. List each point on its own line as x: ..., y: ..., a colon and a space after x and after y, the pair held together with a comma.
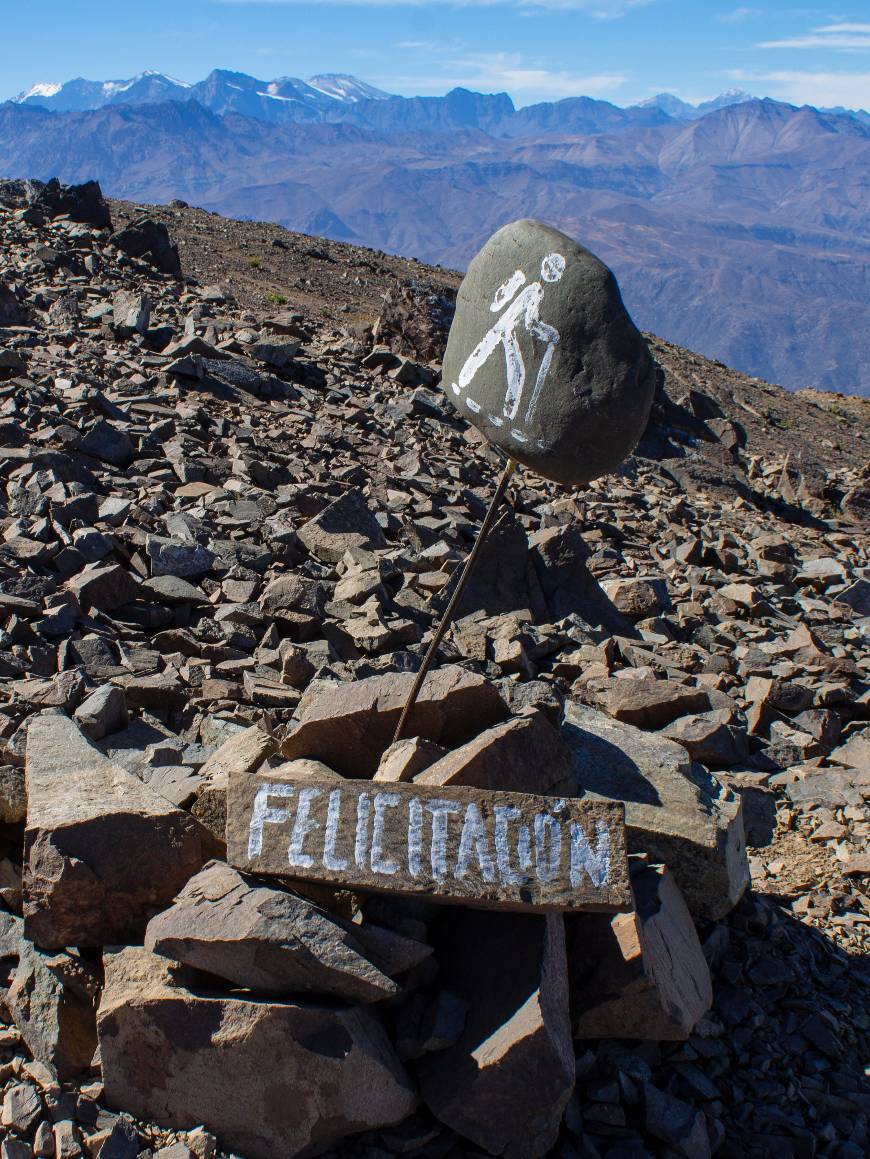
x: 742, y: 232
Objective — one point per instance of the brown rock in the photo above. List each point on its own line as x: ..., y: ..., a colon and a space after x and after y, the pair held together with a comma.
x: 267, y: 1078
x: 404, y: 759
x: 264, y: 939
x: 348, y: 726
x: 524, y: 754
x: 103, y: 852
x: 650, y: 703
x: 344, y: 524
x: 675, y: 810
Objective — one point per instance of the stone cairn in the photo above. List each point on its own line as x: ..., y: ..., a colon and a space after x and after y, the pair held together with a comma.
x: 225, y: 537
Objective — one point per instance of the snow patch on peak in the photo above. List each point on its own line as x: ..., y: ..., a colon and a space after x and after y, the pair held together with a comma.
x: 40, y: 90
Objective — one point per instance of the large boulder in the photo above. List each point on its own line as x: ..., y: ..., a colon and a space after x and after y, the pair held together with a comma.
x: 543, y: 358
x: 103, y: 852
x: 524, y: 754
x: 268, y: 1078
x: 674, y: 809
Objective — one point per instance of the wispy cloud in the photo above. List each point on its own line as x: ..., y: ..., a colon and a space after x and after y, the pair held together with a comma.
x: 822, y: 89
x: 505, y: 72
x: 737, y: 15
x: 843, y: 37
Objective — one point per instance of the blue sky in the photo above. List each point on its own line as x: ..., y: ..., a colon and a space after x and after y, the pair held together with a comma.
x: 619, y: 50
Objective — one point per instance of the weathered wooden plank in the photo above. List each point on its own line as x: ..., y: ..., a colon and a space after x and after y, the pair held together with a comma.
x: 493, y: 850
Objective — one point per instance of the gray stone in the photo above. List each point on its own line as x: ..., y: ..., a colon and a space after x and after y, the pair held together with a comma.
x: 170, y: 557
x: 103, y: 852
x: 531, y: 297
x: 171, y: 589
x: 13, y: 803
x: 675, y: 811
x: 109, y: 445
x: 267, y: 1078
x: 347, y: 523
x: 264, y: 939
x: 505, y: 1082
x: 642, y: 974
x: 51, y: 1000
x: 104, y: 712
x: 148, y: 239
x: 131, y: 313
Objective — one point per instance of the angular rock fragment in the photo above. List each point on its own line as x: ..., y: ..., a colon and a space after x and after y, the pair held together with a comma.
x: 263, y: 939
x: 524, y: 754
x: 103, y: 712
x: 642, y: 974
x: 103, y: 852
x: 51, y: 998
x: 348, y: 726
x: 267, y: 1078
x: 653, y: 703
x: 675, y: 811
x: 505, y: 1082
x: 347, y: 523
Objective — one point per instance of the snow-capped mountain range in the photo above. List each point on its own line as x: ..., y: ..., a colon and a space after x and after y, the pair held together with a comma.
x: 286, y: 98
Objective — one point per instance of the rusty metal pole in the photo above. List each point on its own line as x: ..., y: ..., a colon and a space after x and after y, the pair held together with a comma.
x: 465, y: 575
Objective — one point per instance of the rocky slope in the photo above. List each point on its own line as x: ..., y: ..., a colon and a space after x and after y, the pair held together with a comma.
x: 222, y: 513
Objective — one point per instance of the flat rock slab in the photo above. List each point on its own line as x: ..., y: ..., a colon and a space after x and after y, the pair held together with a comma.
x: 267, y: 1078
x: 446, y: 843
x: 543, y: 358
x: 264, y: 939
x: 349, y: 726
x: 103, y: 852
x: 505, y: 1082
x: 674, y: 809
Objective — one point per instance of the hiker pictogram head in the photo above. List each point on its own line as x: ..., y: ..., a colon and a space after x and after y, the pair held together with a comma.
x: 552, y: 267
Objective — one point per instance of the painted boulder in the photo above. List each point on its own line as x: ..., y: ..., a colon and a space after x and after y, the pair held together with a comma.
x: 543, y: 358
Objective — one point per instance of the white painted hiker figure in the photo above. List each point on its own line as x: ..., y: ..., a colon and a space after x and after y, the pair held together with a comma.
x: 524, y: 309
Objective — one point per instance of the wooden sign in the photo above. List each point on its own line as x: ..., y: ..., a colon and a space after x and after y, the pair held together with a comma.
x: 446, y: 843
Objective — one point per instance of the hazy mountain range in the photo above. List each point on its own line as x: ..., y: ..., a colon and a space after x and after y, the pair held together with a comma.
x: 740, y: 228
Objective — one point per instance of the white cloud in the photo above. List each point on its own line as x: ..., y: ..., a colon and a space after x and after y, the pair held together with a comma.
x: 505, y: 72
x: 822, y: 89
x: 842, y: 37
x: 736, y: 15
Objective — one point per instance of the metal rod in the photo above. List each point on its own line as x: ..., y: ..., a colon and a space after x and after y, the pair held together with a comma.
x: 465, y: 575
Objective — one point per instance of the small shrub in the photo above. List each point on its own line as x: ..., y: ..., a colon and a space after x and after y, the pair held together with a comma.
x: 254, y: 263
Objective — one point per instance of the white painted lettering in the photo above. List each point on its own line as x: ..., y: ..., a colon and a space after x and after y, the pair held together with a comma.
x: 548, y: 846
x: 265, y: 814
x: 303, y: 825
x: 504, y: 814
x: 440, y: 810
x: 415, y: 836
x: 380, y: 864
x: 361, y: 844
x: 474, y: 843
x: 594, y: 863
x: 331, y: 860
